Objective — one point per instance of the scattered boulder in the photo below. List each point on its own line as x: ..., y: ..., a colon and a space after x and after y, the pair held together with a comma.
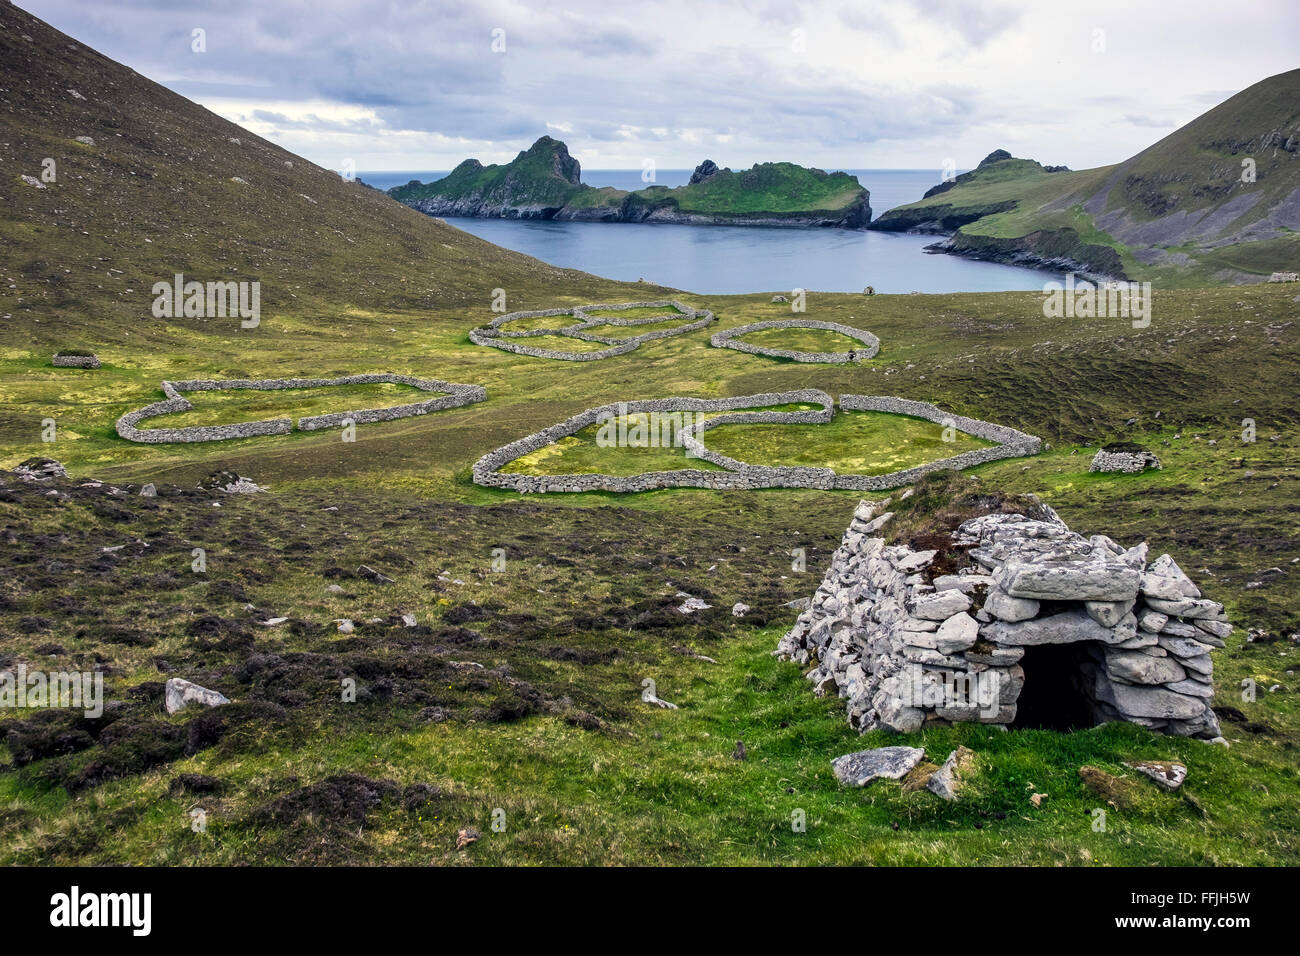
x: 1167, y: 774
x: 40, y: 469
x: 370, y: 574
x: 180, y: 693
x: 951, y: 778
x: 692, y: 604
x: 229, y: 483
x: 861, y: 768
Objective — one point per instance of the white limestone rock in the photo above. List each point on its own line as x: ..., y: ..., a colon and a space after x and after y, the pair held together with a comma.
x: 957, y: 633
x: 1065, y: 627
x: 1070, y: 581
x: 1108, y: 613
x: 1007, y: 608
x: 861, y: 768
x: 1138, y: 668
x: 179, y: 694
x: 941, y: 605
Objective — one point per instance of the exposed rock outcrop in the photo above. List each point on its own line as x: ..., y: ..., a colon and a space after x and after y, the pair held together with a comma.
x: 40, y: 469
x: 704, y: 172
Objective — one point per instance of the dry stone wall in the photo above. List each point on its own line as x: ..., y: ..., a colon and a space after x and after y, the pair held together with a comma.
x: 905, y: 646
x: 75, y: 361
x: 728, y: 339
x: 496, y: 336
x: 456, y: 395
x: 737, y: 474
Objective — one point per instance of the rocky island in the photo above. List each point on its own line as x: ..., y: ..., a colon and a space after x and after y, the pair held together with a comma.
x: 545, y: 182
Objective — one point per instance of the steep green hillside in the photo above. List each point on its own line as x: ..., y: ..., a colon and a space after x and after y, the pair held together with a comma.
x: 147, y: 184
x: 1216, y: 201
x: 544, y: 182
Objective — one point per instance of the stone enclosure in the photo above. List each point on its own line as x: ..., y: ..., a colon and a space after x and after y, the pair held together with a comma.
x: 742, y: 475
x: 1123, y: 459
x: 1045, y: 628
x: 75, y: 360
x: 496, y: 336
x: 454, y: 397
x: 728, y: 339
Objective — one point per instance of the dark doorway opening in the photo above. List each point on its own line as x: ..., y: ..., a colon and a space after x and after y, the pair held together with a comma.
x: 1057, y: 694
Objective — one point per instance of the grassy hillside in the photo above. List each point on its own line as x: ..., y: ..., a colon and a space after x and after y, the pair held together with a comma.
x: 1183, y: 212
x: 519, y: 688
x: 169, y: 187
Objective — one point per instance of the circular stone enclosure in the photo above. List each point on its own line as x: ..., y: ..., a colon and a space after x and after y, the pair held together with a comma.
x: 496, y: 336
x: 455, y: 396
x: 729, y: 339
x: 739, y: 475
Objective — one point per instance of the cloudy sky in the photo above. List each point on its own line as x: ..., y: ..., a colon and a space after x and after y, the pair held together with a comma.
x: 422, y: 84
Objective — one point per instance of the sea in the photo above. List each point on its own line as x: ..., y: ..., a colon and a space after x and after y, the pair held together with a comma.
x: 725, y: 260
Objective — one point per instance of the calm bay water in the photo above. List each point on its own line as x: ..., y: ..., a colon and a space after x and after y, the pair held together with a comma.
x: 722, y: 260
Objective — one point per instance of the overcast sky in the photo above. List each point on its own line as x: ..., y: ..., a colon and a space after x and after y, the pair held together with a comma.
x: 411, y: 85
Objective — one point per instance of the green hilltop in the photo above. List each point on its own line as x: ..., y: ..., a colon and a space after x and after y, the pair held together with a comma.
x: 1216, y: 201
x: 544, y: 182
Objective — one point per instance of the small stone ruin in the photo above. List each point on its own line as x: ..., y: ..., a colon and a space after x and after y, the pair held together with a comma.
x: 1127, y: 458
x: 40, y: 469
x: 75, y: 360
x: 1044, y: 628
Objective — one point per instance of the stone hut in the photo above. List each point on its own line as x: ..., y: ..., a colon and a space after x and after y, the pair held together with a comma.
x: 1044, y: 628
x: 70, y: 359
x: 1125, y: 456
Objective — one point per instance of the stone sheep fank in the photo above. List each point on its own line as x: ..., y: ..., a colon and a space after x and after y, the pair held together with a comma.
x: 1044, y: 629
x: 455, y: 396
x: 1129, y: 461
x: 742, y: 475
x: 497, y: 337
x: 75, y: 360
x: 728, y: 339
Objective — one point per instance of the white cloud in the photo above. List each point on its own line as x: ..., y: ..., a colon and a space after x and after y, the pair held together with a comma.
x: 414, y: 84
